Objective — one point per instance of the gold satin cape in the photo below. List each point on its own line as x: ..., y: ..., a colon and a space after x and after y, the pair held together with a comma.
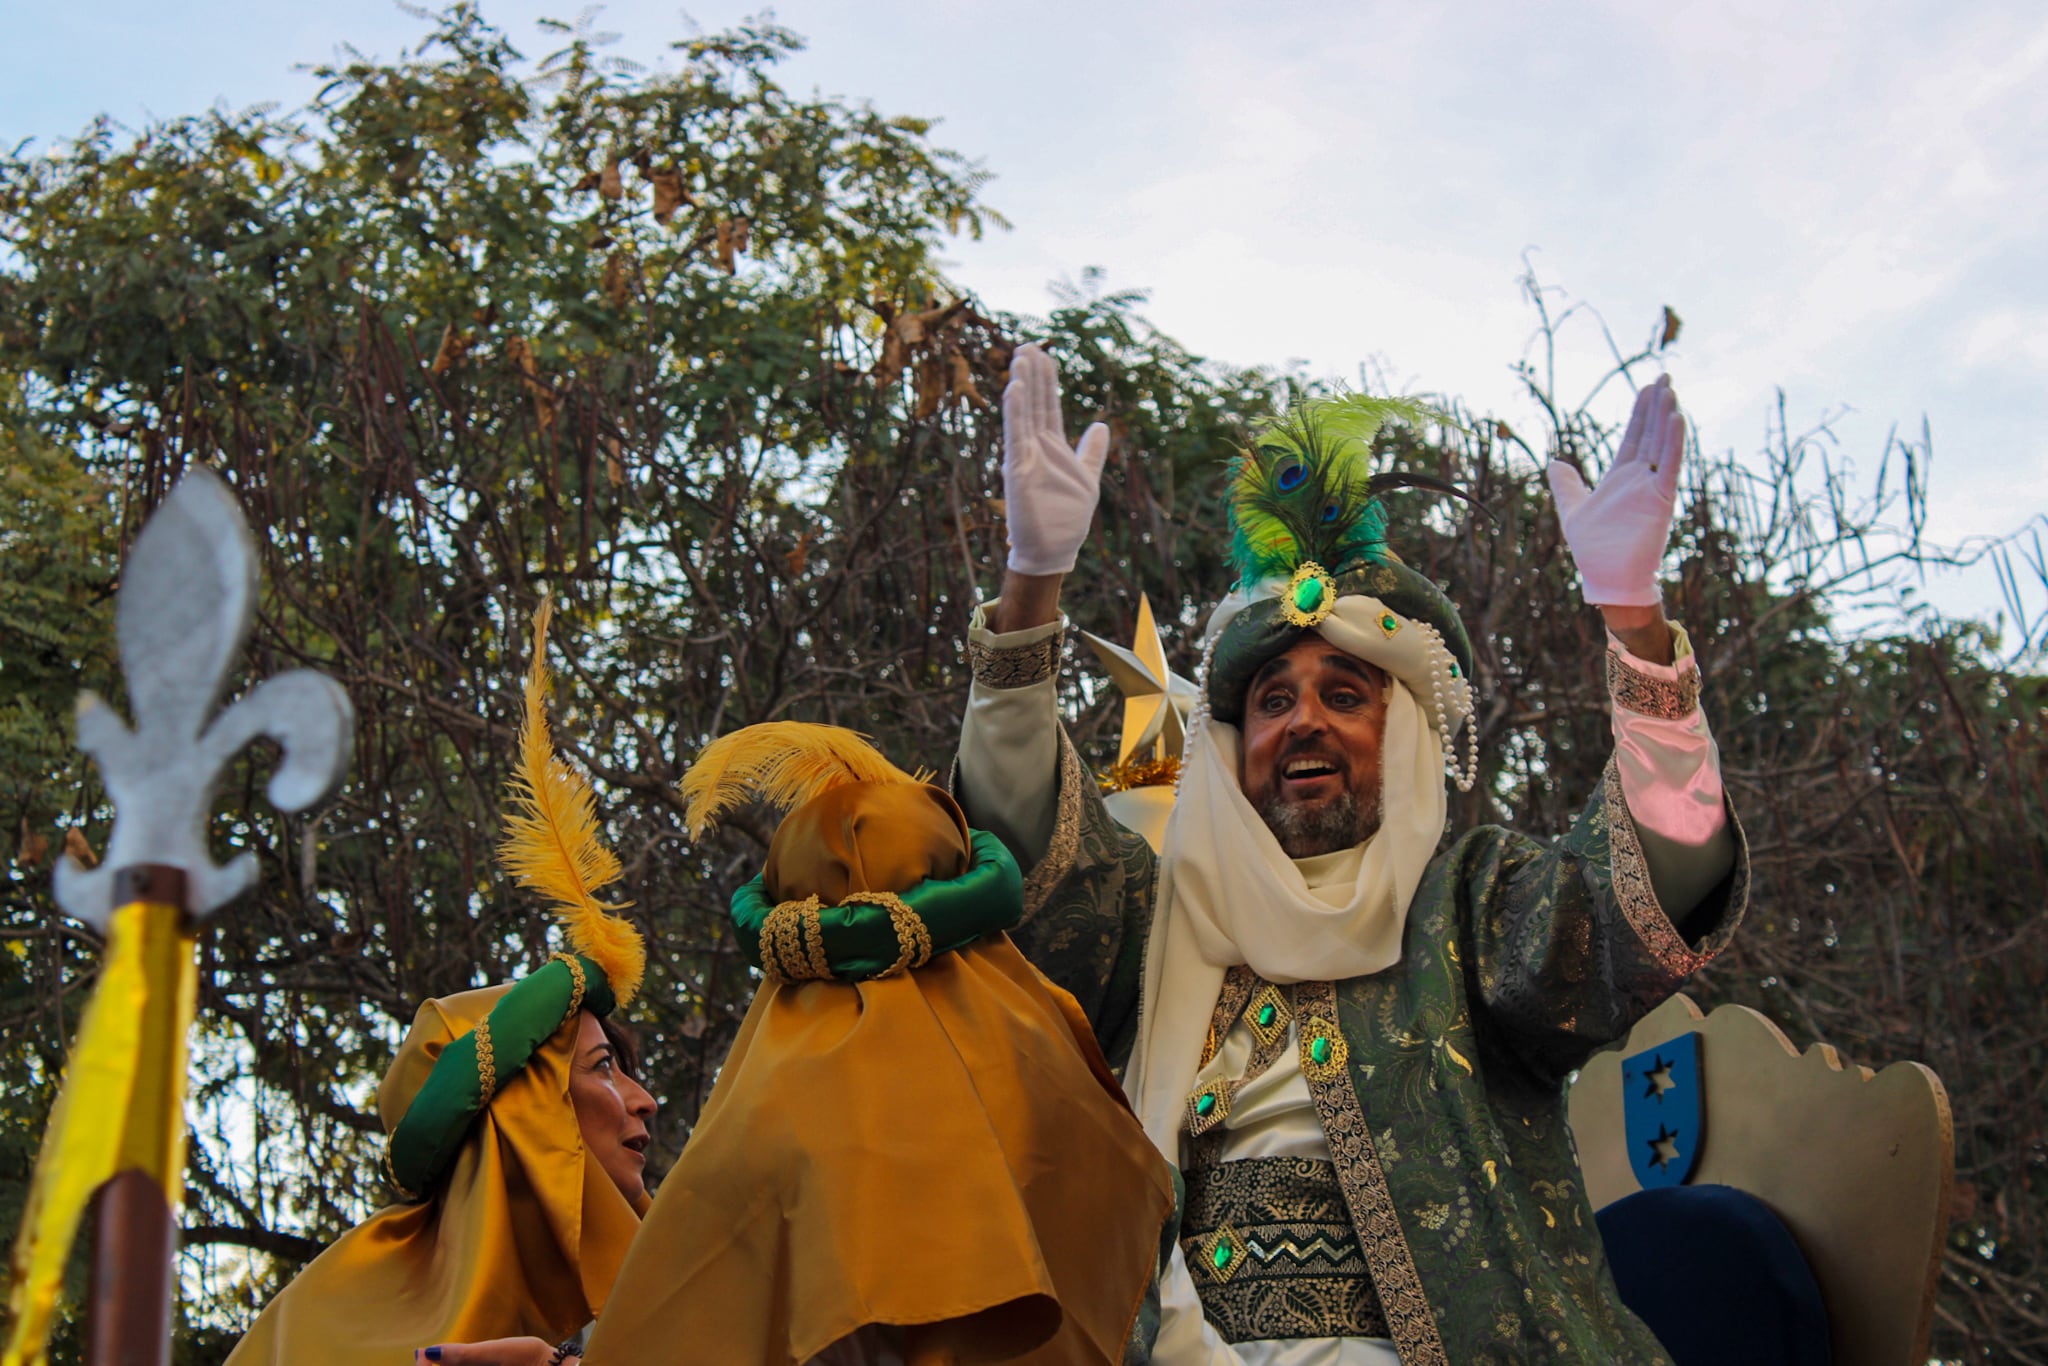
x: 943, y: 1150
x: 523, y: 1238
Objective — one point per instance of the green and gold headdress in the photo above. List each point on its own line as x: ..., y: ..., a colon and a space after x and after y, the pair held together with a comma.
x: 551, y: 846
x: 1308, y: 531
x: 874, y: 872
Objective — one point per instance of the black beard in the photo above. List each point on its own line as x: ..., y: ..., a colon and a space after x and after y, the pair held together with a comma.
x: 1308, y: 829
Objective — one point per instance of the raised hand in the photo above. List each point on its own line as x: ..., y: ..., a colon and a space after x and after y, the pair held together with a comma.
x: 1617, y: 532
x: 1049, y: 487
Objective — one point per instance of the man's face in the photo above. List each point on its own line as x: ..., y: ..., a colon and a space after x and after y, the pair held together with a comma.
x: 1314, y: 719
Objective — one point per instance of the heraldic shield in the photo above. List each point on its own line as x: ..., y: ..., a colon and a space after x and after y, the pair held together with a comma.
x: 1664, y: 1108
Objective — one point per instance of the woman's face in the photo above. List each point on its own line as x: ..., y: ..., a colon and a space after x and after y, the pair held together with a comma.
x: 612, y: 1110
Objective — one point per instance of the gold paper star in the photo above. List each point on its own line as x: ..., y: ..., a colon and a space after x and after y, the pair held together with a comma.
x: 1156, y: 700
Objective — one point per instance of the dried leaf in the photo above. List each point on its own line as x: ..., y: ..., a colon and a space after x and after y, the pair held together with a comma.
x: 895, y: 355
x: 454, y: 346
x: 614, y: 461
x: 33, y: 847
x: 545, y: 403
x: 75, y: 845
x: 728, y: 252
x: 1672, y: 323
x: 670, y: 193
x: 520, y: 352
x: 589, y: 182
x: 962, y: 377
x: 798, y: 558
x: 742, y: 230
x: 618, y: 279
x: 609, y: 183
x: 642, y: 160
x: 1502, y: 430
x: 931, y: 386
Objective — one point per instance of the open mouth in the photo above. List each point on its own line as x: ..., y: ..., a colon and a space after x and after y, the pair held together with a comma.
x: 637, y: 1145
x: 1307, y: 770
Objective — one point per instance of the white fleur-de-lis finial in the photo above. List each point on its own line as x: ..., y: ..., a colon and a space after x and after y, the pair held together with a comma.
x: 187, y: 593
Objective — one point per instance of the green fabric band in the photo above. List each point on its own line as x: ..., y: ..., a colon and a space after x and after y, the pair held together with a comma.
x: 860, y: 939
x: 1260, y: 632
x: 424, y: 1144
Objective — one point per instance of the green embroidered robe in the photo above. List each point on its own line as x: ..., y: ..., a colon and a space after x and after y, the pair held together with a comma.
x: 1447, y: 1123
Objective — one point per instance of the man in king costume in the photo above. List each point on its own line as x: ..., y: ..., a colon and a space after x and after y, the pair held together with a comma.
x: 1355, y: 1044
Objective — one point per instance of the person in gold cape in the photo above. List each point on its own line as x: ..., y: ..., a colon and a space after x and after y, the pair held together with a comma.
x: 915, y: 1152
x: 516, y: 1133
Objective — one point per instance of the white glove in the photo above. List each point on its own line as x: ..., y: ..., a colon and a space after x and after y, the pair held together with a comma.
x: 1617, y: 532
x: 1049, y: 488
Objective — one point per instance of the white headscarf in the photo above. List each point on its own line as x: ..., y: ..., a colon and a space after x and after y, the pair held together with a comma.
x: 1228, y: 894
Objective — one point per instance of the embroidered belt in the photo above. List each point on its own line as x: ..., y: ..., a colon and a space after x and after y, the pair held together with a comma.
x: 1271, y: 1248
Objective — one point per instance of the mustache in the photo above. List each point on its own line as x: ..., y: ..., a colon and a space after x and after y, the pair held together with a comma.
x: 1314, y: 749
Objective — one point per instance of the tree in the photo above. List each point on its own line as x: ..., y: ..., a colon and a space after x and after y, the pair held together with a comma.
x: 673, y: 347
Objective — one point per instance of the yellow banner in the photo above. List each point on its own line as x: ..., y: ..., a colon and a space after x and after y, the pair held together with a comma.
x: 122, y: 1105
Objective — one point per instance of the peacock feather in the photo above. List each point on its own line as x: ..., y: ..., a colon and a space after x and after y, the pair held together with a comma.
x: 551, y: 843
x: 1305, y: 491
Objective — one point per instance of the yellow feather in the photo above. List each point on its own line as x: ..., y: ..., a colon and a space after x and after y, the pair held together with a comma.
x: 551, y: 843
x: 784, y: 763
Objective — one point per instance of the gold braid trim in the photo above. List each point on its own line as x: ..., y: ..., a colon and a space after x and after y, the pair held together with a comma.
x: 1410, y: 1322
x: 1243, y: 990
x: 1065, y: 846
x: 486, y: 1064
x: 913, y: 940
x: 576, y: 976
x: 1633, y: 889
x: 1238, y: 985
x: 793, y: 943
x: 1668, y: 699
x: 1015, y: 666
x: 391, y: 1175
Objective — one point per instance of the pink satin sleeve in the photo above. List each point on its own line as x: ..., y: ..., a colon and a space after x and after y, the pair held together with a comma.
x: 1670, y: 769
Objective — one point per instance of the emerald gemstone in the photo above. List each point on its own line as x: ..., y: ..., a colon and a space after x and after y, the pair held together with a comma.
x: 1454, y: 668
x: 1220, y: 1258
x: 1266, y: 1014
x: 1205, y: 1103
x: 1319, y: 1051
x: 1308, y: 593
x: 1390, y: 623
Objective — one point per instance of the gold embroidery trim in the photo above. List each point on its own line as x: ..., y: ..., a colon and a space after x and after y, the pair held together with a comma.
x: 1669, y: 699
x: 793, y: 943
x: 913, y: 939
x: 1242, y: 989
x: 1060, y: 854
x: 1632, y: 886
x: 579, y: 982
x: 486, y: 1064
x: 1364, y: 1183
x: 1015, y: 666
x: 1237, y: 989
x: 391, y: 1175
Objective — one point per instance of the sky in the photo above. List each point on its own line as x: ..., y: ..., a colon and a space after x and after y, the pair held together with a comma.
x: 1842, y: 200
